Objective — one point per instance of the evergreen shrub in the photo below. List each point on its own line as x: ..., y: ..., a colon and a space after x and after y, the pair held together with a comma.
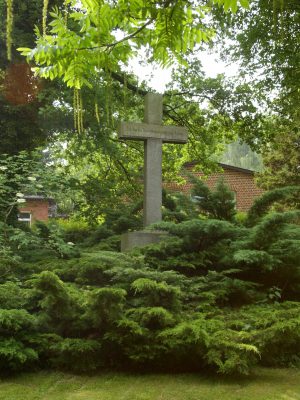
x: 75, y: 231
x: 213, y: 296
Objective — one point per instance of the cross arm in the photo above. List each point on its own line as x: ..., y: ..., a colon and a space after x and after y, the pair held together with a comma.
x: 144, y: 131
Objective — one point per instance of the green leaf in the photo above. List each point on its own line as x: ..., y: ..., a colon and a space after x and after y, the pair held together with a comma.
x: 244, y: 3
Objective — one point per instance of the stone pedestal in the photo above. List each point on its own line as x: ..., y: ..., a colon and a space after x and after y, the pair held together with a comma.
x: 130, y: 240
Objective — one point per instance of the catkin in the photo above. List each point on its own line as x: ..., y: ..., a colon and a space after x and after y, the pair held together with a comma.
x: 45, y: 11
x: 97, y: 115
x: 78, y: 110
x: 9, y: 25
x: 80, y: 123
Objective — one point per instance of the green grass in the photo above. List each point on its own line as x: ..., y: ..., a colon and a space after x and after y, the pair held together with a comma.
x: 266, y: 384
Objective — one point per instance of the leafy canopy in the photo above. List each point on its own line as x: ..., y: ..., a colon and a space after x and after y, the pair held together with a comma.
x: 100, y: 34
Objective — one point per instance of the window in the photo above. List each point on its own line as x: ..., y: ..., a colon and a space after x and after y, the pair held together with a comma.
x: 25, y: 218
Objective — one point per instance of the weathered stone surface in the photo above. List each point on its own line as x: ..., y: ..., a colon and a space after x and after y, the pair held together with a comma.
x: 143, y: 131
x: 152, y: 181
x: 154, y: 135
x: 153, y: 112
x: 131, y: 240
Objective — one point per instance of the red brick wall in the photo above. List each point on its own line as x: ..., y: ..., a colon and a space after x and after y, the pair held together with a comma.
x: 37, y: 208
x: 240, y: 182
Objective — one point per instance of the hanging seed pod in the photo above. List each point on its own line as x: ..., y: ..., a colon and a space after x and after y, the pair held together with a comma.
x: 125, y: 94
x: 45, y: 11
x: 97, y: 114
x: 80, y: 123
x: 78, y: 110
x: 9, y: 25
x: 75, y: 108
x: 65, y: 12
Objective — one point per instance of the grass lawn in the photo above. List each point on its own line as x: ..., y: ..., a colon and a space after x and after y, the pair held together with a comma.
x: 266, y: 384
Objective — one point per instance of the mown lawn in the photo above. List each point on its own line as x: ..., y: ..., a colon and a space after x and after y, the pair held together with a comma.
x: 266, y: 384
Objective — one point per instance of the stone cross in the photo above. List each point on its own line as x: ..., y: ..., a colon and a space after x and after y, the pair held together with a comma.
x: 154, y: 134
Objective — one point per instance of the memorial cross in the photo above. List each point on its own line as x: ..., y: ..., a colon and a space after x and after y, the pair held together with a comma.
x: 154, y: 134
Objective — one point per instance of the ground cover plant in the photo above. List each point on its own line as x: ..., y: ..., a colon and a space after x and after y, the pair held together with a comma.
x: 265, y: 384
x: 215, y: 295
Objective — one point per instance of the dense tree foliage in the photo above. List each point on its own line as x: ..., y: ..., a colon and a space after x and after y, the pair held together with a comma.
x: 264, y: 40
x: 27, y: 174
x: 282, y: 160
x: 287, y: 195
x: 23, y: 97
x: 169, y: 30
x: 230, y: 108
x: 95, y: 35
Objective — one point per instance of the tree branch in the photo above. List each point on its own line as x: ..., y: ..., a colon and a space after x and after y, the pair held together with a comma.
x: 119, y: 78
x: 124, y: 39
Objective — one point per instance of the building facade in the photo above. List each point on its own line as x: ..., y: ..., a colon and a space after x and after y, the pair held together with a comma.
x: 36, y: 208
x: 240, y: 180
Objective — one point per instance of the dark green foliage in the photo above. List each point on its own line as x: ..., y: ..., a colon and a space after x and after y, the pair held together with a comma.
x: 152, y: 318
x: 281, y: 158
x: 105, y: 307
x: 124, y: 218
x: 26, y: 103
x: 213, y: 295
x: 157, y: 293
x: 177, y: 207
x: 111, y: 243
x: 52, y: 238
x: 203, y: 233
x: 100, y: 233
x: 16, y: 176
x: 286, y: 195
x: 188, y: 341
x: 22, y: 174
x: 254, y: 259
x: 218, y: 204
x: 76, y: 233
x: 13, y: 296
x: 13, y: 242
x: 274, y: 329
x: 15, y: 356
x: 59, y: 306
x: 16, y: 326
x: 77, y: 355
x: 270, y: 228
x: 14, y: 321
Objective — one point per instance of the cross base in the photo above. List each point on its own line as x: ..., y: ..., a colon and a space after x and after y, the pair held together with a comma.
x: 131, y: 240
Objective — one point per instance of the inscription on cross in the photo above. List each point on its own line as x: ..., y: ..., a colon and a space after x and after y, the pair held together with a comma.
x: 154, y: 134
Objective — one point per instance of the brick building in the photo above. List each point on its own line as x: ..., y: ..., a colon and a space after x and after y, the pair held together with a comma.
x: 36, y: 208
x: 240, y: 181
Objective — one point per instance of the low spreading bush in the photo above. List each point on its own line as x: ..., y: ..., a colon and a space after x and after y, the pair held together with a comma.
x: 75, y: 231
x: 213, y: 295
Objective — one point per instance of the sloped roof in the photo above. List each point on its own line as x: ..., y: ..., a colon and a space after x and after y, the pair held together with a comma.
x: 39, y: 197
x: 225, y: 166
